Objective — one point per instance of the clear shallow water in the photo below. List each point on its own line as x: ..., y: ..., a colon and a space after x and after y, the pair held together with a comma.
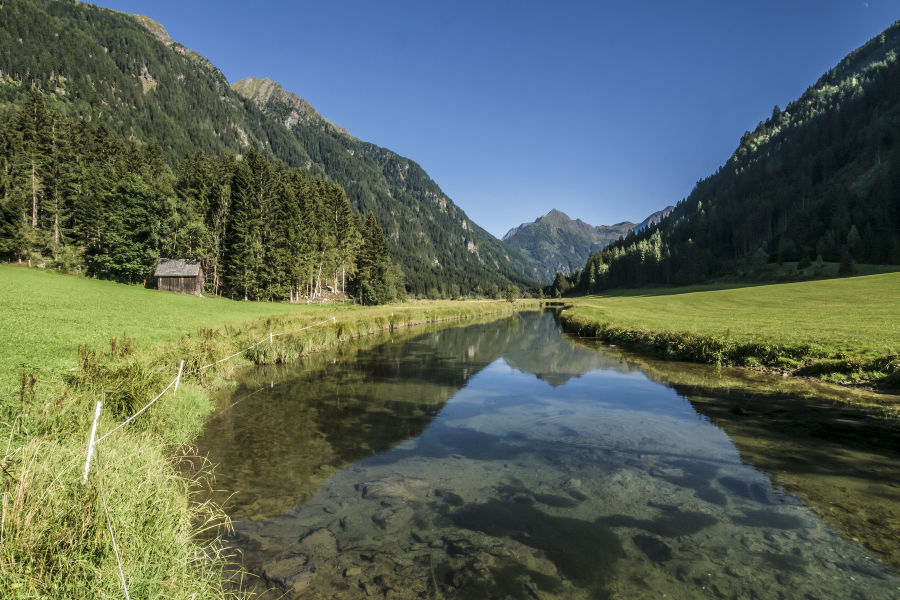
x: 503, y: 461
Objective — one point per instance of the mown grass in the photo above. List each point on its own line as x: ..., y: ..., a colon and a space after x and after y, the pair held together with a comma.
x: 844, y: 330
x: 63, y: 349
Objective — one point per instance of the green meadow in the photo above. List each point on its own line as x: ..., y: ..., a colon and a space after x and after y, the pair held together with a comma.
x: 68, y: 342
x: 45, y: 317
x: 839, y: 328
x: 80, y: 340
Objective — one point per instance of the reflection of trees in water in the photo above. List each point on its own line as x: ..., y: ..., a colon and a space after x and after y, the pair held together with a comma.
x: 842, y: 460
x: 309, y: 422
x: 275, y: 450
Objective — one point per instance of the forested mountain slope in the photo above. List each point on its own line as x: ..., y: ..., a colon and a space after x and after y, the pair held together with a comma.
x: 76, y: 197
x: 819, y: 180
x: 433, y: 239
x: 98, y: 64
x: 559, y: 244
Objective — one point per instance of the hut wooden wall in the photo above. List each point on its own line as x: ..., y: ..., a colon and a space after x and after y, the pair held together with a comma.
x: 183, y: 285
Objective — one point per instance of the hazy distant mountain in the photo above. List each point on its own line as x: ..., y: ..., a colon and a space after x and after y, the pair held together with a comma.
x: 559, y: 244
x: 126, y: 71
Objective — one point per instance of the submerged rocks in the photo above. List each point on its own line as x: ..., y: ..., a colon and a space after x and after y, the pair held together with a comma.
x: 393, y: 487
x: 655, y: 549
x: 290, y: 573
x: 319, y: 543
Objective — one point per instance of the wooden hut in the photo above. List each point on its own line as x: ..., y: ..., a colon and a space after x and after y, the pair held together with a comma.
x: 182, y: 275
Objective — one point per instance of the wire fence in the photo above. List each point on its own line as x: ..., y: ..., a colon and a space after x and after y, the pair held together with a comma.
x: 93, y: 440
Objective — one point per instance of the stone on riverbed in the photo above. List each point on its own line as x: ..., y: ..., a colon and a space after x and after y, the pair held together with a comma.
x: 319, y: 543
x: 396, y: 486
x: 291, y: 573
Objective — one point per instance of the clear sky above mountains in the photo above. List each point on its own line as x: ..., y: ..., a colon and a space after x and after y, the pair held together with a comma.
x: 606, y: 111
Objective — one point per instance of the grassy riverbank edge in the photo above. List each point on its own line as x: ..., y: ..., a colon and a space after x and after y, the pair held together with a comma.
x: 881, y: 371
x: 54, y: 540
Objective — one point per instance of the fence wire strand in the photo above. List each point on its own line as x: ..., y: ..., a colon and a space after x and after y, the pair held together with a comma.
x: 96, y: 442
x: 129, y: 419
x: 332, y: 319
x: 197, y: 370
x: 112, y: 536
x: 229, y: 357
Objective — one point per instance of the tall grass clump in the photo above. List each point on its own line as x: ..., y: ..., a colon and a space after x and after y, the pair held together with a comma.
x: 55, y: 540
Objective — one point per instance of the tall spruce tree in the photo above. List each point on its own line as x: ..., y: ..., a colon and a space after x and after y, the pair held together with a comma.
x: 370, y: 285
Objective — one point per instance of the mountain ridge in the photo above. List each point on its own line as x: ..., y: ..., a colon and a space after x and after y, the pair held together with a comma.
x: 125, y: 70
x: 397, y: 190
x: 261, y: 90
x: 561, y: 244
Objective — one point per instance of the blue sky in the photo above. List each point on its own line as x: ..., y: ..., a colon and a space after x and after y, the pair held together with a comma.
x: 606, y: 111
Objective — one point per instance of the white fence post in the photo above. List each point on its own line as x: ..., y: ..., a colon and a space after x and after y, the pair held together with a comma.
x: 270, y: 337
x: 90, y: 452
x: 178, y: 379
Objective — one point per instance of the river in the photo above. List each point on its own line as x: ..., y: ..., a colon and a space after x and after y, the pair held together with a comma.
x: 504, y: 460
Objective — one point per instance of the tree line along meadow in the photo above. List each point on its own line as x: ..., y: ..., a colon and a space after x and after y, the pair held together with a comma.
x: 78, y: 198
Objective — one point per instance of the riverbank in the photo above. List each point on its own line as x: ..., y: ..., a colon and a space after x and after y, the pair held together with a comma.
x: 839, y: 330
x: 54, y: 537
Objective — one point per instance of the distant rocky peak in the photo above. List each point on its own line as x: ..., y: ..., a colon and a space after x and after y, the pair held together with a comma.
x: 560, y: 244
x: 654, y: 218
x: 555, y: 216
x: 261, y: 89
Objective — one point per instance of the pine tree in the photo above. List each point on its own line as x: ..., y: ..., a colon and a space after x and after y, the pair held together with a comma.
x: 373, y: 264
x: 129, y: 243
x: 239, y: 256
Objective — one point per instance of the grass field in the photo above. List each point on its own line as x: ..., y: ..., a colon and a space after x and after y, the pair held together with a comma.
x: 45, y: 317
x: 85, y: 340
x: 849, y: 319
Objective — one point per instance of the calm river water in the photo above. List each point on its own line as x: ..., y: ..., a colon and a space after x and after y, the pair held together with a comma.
x: 502, y: 460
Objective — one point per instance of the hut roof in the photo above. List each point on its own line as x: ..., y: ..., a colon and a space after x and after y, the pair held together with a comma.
x: 177, y: 267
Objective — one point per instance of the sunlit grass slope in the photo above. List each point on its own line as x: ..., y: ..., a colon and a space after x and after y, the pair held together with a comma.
x: 858, y: 315
x: 854, y: 318
x: 45, y: 317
